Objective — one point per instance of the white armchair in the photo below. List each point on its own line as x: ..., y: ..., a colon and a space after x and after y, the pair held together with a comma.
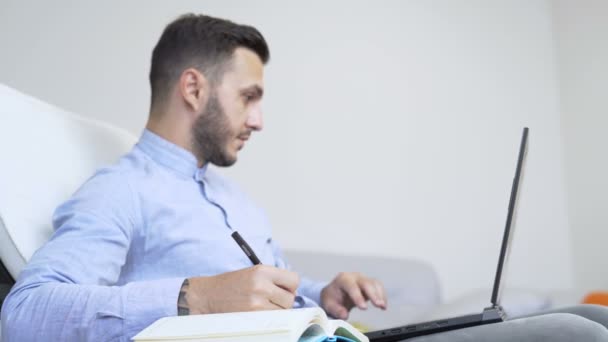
x: 46, y: 154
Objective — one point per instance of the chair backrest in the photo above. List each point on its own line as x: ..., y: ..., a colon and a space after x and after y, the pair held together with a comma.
x: 45, y: 154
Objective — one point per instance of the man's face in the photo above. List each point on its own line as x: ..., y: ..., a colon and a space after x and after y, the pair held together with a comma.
x: 232, y: 112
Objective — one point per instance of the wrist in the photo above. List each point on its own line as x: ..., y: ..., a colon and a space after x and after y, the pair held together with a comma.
x: 183, y: 308
x: 192, y: 299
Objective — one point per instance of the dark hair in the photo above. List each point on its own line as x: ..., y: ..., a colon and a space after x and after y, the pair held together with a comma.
x: 202, y: 42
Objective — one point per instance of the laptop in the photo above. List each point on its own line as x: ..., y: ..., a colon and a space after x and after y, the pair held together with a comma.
x: 491, y: 314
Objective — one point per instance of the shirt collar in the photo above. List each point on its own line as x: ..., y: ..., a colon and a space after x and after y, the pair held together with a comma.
x: 170, y: 155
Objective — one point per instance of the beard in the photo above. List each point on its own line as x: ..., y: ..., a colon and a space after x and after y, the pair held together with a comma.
x: 212, y: 133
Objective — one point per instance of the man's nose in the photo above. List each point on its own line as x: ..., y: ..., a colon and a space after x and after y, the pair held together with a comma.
x: 254, y: 119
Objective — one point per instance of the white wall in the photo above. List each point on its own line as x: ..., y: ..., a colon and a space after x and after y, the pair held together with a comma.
x: 391, y: 128
x: 582, y: 51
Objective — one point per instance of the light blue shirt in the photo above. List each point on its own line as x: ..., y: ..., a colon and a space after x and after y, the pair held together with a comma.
x: 125, y: 242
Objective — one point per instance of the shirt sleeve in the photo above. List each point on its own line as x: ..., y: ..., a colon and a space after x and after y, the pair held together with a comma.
x: 67, y: 291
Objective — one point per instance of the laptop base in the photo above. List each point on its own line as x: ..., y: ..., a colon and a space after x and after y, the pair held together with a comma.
x: 488, y: 316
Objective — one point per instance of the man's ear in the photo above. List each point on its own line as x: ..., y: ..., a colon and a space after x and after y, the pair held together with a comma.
x: 194, y: 89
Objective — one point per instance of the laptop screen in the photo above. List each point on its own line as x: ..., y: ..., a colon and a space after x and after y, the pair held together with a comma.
x: 506, y: 239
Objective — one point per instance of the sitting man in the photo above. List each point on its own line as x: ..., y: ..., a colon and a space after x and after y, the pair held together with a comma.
x: 150, y: 236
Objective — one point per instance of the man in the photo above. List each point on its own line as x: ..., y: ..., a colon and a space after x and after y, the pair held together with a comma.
x: 151, y: 236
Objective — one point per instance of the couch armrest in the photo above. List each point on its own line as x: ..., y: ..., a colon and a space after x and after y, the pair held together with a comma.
x: 412, y: 285
x: 407, y: 281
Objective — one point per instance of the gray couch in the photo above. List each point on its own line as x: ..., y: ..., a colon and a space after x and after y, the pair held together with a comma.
x: 414, y: 290
x: 412, y: 285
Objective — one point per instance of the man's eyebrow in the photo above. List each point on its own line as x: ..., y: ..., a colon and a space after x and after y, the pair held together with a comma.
x: 254, y: 90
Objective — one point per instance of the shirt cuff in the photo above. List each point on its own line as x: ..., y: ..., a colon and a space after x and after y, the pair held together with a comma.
x: 148, y: 301
x: 312, y: 289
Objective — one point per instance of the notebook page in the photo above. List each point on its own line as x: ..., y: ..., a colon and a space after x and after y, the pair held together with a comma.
x: 229, y: 324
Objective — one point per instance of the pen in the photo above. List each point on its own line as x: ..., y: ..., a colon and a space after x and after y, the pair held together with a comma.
x: 245, y: 247
x: 254, y: 259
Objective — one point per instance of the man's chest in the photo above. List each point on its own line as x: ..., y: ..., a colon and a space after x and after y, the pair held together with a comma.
x: 187, y: 238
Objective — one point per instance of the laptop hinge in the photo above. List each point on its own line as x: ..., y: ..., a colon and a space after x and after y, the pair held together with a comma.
x: 493, y: 314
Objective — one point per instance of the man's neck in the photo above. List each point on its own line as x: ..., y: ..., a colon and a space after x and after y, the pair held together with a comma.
x: 168, y: 130
x: 171, y: 133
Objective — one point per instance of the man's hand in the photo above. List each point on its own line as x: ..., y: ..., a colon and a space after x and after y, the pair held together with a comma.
x: 256, y: 288
x: 348, y: 290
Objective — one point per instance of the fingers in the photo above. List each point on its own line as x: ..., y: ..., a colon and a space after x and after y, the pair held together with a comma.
x: 352, y: 289
x: 370, y: 291
x: 279, y: 286
x: 281, y: 298
x: 285, y: 279
x: 374, y: 291
x: 335, y: 309
x: 382, y: 292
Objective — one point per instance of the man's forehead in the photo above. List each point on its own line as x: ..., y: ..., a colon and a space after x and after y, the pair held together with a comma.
x: 246, y: 70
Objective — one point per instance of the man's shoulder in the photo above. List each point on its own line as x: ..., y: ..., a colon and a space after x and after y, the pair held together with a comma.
x: 119, y: 173
x: 114, y: 182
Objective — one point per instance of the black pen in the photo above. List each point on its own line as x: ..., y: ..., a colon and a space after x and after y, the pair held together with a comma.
x: 254, y: 259
x: 245, y: 247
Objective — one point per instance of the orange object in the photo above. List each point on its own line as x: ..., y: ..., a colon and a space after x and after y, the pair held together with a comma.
x: 596, y: 297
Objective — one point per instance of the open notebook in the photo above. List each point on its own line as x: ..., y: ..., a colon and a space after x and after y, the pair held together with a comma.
x: 295, y: 325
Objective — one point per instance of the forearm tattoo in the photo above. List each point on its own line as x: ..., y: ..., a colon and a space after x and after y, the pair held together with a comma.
x: 182, y: 304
